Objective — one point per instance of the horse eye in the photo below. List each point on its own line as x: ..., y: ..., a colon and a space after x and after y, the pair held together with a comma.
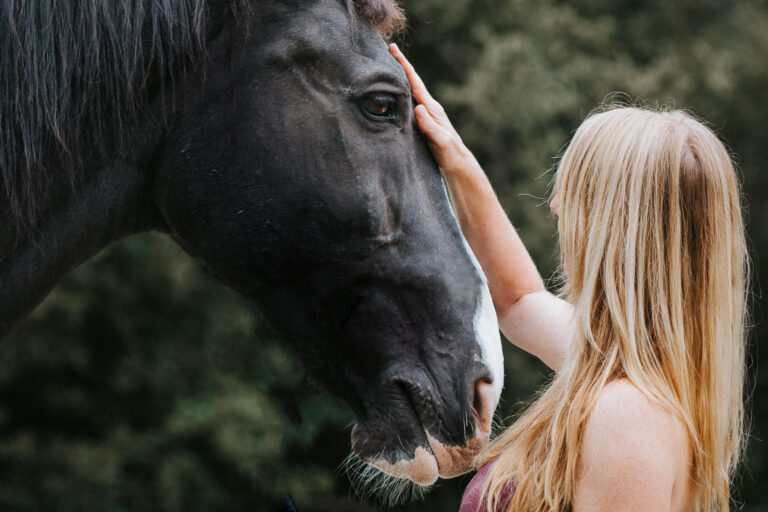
x: 379, y: 105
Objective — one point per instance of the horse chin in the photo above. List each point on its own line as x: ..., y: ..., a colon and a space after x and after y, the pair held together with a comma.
x: 422, y: 469
x: 453, y: 461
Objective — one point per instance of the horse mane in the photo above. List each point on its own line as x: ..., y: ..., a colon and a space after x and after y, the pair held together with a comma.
x: 75, y: 75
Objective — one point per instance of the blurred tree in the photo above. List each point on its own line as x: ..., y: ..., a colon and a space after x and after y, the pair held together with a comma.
x: 141, y: 384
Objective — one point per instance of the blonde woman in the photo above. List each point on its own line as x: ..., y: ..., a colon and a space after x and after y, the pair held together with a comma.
x: 645, y: 409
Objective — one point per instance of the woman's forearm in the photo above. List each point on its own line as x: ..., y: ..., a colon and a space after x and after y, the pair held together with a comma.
x: 532, y: 318
x: 509, y: 268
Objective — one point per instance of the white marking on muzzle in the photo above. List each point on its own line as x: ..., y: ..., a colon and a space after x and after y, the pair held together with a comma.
x: 421, y: 469
x: 487, y: 330
x: 485, y: 322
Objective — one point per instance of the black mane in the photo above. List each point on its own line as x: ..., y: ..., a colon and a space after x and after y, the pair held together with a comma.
x: 73, y: 75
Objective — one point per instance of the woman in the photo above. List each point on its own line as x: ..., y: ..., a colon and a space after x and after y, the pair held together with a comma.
x: 645, y: 410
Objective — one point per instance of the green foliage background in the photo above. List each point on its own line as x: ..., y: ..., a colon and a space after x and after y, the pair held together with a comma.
x: 141, y: 384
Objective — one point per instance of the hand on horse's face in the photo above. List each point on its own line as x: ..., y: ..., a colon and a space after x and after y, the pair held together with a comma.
x: 452, y: 156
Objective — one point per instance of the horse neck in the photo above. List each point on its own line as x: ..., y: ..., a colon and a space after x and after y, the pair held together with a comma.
x: 104, y: 207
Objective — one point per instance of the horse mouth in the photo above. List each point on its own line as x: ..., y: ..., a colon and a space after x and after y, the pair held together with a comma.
x: 431, y: 458
x: 433, y: 461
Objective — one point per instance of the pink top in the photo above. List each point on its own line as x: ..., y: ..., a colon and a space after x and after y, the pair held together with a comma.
x: 473, y: 501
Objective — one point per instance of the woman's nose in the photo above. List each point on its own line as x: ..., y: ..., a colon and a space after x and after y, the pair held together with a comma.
x: 554, y: 205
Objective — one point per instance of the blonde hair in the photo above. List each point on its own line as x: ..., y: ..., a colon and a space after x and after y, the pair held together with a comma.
x: 655, y: 266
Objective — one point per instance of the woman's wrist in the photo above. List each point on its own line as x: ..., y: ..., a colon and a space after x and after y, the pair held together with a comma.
x: 463, y: 168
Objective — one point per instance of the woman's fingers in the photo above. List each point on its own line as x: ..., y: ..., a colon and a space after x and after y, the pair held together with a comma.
x: 418, y: 88
x: 420, y: 91
x: 450, y: 153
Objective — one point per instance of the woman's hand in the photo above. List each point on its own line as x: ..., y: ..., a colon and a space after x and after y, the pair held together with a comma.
x: 452, y: 156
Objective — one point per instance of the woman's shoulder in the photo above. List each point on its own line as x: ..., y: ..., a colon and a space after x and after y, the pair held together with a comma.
x: 633, y: 450
x: 622, y: 405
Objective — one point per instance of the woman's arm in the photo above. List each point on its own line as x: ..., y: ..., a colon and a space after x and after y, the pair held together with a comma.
x: 529, y: 316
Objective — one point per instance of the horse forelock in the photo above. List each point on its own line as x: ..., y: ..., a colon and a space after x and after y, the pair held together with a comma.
x: 385, y: 16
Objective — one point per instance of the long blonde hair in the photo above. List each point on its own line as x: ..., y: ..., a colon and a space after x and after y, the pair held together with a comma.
x: 655, y: 266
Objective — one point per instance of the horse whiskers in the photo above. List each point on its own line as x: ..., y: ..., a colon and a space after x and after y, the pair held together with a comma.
x: 467, y: 417
x: 370, y: 482
x: 496, y: 426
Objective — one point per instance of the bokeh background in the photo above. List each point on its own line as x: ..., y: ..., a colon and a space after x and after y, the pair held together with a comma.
x: 142, y: 384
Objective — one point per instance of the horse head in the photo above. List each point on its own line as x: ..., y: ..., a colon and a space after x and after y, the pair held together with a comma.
x: 284, y: 155
x: 298, y: 174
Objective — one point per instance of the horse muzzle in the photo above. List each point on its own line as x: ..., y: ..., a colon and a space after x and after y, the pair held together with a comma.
x: 425, y: 449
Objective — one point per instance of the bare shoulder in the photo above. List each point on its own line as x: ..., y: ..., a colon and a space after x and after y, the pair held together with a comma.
x: 633, y: 455
x: 622, y: 404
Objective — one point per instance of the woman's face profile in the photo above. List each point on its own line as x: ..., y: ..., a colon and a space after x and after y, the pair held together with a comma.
x: 554, y: 205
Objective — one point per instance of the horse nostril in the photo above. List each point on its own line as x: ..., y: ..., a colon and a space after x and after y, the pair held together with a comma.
x: 484, y: 404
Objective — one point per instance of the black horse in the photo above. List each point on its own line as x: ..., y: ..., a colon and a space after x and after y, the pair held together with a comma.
x: 274, y: 140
